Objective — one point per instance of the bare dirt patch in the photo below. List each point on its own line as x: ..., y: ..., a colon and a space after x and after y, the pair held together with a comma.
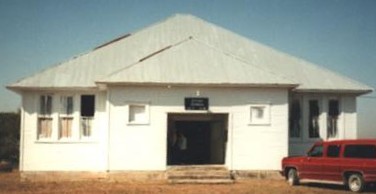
x: 10, y: 183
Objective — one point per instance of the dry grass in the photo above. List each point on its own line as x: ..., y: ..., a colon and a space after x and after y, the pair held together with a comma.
x: 10, y: 183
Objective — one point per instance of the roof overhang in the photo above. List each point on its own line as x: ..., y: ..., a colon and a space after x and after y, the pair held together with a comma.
x: 335, y: 91
x: 216, y: 85
x: 19, y: 89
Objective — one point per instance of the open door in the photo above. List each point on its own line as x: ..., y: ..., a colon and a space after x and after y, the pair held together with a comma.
x: 196, y: 139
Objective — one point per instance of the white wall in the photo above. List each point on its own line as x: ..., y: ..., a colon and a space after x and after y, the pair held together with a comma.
x: 144, y: 147
x: 58, y: 155
x: 249, y: 147
x: 347, y: 124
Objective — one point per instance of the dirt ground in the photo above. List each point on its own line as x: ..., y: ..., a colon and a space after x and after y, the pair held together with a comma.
x: 10, y: 183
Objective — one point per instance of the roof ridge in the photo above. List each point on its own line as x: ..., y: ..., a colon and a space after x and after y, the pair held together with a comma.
x: 214, y: 49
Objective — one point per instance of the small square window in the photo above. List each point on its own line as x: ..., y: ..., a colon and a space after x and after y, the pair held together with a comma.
x: 138, y: 114
x: 260, y: 114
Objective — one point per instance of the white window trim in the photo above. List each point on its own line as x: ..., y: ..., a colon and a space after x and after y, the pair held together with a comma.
x: 147, y: 113
x: 45, y: 116
x: 66, y: 116
x: 267, y: 114
x: 93, y: 136
x: 56, y: 114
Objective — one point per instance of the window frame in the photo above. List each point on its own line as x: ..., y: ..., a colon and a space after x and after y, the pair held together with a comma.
x: 300, y: 120
x: 45, y: 115
x: 64, y: 115
x: 266, y: 114
x: 328, y: 136
x: 57, y: 111
x: 145, y: 121
x: 91, y: 119
x: 319, y: 106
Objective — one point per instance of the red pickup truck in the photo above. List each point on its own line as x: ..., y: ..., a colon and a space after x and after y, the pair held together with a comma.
x: 348, y: 162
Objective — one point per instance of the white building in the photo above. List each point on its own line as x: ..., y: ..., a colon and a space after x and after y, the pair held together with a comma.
x: 239, y: 103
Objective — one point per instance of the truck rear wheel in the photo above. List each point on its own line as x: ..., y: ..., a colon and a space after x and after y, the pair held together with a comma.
x: 356, y: 183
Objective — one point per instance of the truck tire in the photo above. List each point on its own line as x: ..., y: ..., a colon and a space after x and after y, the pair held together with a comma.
x: 292, y: 177
x: 356, y: 183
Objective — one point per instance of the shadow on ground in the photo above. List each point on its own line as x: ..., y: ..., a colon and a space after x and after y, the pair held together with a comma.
x: 369, y: 189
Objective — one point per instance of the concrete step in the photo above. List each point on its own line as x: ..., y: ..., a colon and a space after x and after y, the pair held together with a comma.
x: 199, y: 176
x: 197, y: 167
x: 201, y: 181
x: 205, y: 174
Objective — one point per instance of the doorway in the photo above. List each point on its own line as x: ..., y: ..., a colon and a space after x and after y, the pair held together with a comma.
x: 196, y: 139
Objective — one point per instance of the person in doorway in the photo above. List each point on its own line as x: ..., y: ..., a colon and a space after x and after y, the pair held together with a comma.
x: 182, y: 147
x: 172, y: 146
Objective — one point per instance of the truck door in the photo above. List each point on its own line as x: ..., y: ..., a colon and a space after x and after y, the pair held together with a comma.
x: 331, y: 163
x: 311, y: 168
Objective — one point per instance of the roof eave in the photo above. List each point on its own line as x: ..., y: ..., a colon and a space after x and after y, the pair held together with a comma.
x: 19, y: 89
x: 235, y: 85
x: 357, y: 92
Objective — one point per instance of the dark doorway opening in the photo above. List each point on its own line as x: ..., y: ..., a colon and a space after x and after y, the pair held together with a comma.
x: 196, y: 139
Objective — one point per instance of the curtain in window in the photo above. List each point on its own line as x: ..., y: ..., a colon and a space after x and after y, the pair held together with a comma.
x: 66, y: 116
x: 44, y: 127
x: 86, y: 126
x: 66, y: 127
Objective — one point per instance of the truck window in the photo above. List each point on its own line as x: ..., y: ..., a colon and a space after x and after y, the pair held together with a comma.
x: 360, y: 151
x: 316, y: 151
x: 333, y: 151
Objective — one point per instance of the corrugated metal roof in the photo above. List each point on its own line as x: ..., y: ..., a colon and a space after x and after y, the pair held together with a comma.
x: 114, y: 57
x: 193, y: 62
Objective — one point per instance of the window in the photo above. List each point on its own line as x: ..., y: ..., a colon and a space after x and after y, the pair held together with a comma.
x: 314, y: 113
x: 360, y: 151
x: 316, y: 151
x: 333, y: 151
x: 45, y: 117
x: 87, y: 115
x: 295, y: 118
x: 260, y: 114
x: 66, y: 117
x: 138, y: 114
x: 332, y: 121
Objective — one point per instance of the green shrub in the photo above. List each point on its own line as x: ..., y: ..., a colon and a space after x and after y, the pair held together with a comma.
x: 9, y: 136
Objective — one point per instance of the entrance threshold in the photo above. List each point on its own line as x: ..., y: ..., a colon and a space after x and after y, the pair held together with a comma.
x: 199, y: 174
x: 195, y: 166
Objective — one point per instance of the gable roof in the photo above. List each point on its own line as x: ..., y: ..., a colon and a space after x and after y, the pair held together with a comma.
x: 193, y: 62
x: 118, y: 61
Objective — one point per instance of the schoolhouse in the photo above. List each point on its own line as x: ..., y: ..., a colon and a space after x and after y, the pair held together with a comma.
x: 237, y: 103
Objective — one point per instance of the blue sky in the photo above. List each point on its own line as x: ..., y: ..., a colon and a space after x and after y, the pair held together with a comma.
x: 337, y: 34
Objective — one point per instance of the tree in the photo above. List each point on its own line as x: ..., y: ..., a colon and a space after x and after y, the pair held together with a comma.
x: 9, y: 136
